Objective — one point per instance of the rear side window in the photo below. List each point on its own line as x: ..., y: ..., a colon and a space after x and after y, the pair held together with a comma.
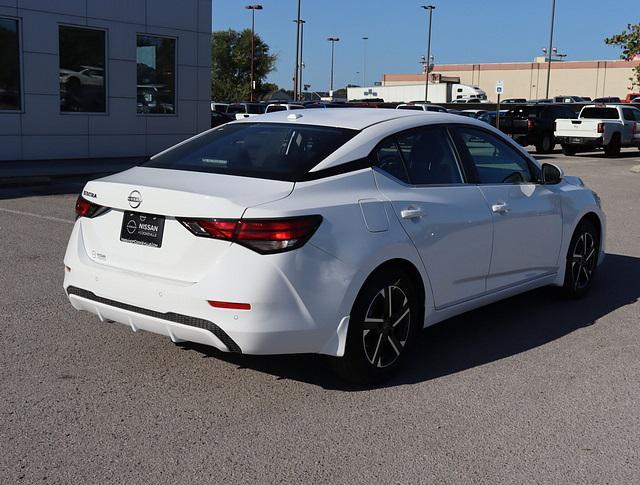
x: 600, y: 114
x: 495, y: 161
x: 629, y: 114
x: 429, y: 157
x: 278, y: 151
x: 389, y: 159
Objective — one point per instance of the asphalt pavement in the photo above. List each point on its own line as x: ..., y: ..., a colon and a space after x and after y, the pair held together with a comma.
x: 535, y: 389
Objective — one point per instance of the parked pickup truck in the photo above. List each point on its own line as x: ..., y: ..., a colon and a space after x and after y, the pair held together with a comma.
x: 534, y: 124
x: 600, y: 126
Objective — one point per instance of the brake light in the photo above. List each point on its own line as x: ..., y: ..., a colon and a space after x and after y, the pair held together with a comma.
x: 265, y: 236
x: 634, y: 130
x: 600, y: 127
x: 531, y: 124
x: 84, y: 208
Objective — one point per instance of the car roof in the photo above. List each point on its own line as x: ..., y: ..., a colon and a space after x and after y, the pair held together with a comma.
x: 350, y: 118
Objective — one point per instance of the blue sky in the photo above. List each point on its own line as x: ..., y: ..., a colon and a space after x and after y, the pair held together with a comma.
x: 464, y: 31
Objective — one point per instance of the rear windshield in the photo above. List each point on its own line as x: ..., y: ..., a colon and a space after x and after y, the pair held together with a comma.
x: 273, y: 109
x: 600, y: 114
x: 277, y: 151
x: 524, y: 112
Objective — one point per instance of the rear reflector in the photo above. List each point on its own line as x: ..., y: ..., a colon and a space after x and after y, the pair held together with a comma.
x: 229, y: 305
x: 265, y: 236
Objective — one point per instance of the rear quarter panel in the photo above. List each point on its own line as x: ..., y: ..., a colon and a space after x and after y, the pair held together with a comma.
x: 344, y: 234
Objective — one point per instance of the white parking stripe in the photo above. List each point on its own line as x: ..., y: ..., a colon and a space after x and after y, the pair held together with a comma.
x: 39, y: 216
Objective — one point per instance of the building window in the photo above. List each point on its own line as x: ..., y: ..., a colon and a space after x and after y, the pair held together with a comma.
x: 156, y: 58
x: 82, y: 70
x: 9, y: 65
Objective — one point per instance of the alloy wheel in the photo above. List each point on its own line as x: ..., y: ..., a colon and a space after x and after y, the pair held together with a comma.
x: 583, y: 261
x: 386, y: 326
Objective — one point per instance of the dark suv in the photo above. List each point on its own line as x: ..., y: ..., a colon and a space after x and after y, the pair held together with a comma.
x: 534, y: 124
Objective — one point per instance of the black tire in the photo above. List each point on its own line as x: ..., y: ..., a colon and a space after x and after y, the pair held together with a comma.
x: 376, y: 349
x: 546, y: 144
x: 614, y: 146
x: 568, y: 151
x: 582, y: 260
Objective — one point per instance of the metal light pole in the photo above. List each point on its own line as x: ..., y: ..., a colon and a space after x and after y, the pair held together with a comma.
x: 553, y: 15
x: 300, y: 63
x: 296, y: 75
x: 253, y: 9
x: 430, y: 8
x: 333, y: 41
x: 364, y: 61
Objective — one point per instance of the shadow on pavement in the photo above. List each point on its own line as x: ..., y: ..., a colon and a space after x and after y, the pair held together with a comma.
x: 599, y: 154
x: 478, y: 337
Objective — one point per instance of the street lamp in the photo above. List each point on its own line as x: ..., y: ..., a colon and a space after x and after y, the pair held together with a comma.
x: 430, y: 8
x: 253, y: 9
x: 553, y: 15
x: 299, y: 61
x: 296, y: 75
x: 333, y: 41
x: 364, y: 61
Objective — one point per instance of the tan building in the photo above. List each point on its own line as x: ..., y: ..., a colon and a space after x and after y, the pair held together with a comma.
x: 529, y: 79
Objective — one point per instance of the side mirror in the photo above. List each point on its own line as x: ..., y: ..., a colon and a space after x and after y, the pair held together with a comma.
x: 551, y: 174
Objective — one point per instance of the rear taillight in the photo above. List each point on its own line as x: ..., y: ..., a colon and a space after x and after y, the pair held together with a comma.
x: 265, y: 236
x: 600, y: 127
x: 634, y: 130
x: 531, y: 124
x: 84, y: 208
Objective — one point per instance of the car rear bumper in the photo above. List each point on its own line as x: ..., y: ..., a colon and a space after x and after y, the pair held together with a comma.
x: 292, y: 309
x: 580, y: 141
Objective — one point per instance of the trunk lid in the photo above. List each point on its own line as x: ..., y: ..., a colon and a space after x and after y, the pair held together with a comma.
x: 182, y: 256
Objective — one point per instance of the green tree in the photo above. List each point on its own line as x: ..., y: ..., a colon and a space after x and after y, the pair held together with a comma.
x: 629, y: 41
x: 231, y: 65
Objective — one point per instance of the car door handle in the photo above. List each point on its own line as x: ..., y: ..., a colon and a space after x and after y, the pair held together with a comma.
x: 411, y: 213
x: 500, y: 208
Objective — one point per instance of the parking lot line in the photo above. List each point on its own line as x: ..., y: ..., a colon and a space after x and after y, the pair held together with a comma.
x: 39, y: 216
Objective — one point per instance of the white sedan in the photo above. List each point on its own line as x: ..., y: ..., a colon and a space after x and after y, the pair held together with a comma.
x: 340, y: 232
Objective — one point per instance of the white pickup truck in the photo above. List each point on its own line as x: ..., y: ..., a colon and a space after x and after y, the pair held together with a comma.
x: 600, y: 126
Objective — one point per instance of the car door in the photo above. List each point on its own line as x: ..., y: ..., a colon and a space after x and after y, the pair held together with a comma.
x: 527, y: 216
x: 630, y: 130
x: 448, y: 220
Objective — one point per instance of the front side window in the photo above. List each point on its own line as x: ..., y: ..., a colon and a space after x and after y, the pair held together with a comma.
x: 494, y: 160
x: 429, y: 157
x: 628, y: 114
x: 9, y: 65
x: 156, y: 64
x: 82, y: 70
x: 277, y: 151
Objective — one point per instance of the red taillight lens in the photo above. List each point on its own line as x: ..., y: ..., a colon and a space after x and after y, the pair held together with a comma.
x: 228, y: 305
x: 600, y: 127
x: 84, y: 208
x: 265, y: 236
x: 531, y: 124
